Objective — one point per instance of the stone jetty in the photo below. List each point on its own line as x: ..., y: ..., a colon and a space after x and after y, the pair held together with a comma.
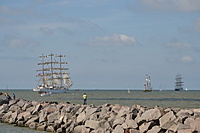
x: 74, y: 118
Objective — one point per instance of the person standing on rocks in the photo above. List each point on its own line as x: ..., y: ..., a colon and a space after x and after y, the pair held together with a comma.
x: 13, y: 97
x: 84, y: 99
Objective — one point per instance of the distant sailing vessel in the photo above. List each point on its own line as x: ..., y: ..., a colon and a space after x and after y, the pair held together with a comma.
x: 53, y: 77
x: 147, y: 84
x: 178, y: 83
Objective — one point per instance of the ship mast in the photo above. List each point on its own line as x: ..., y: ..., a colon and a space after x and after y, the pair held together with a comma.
x: 51, y: 63
x: 43, y: 69
x: 53, y: 72
x: 178, y: 83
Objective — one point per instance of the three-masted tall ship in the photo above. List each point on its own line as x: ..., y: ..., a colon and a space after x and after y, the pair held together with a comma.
x: 53, y: 75
x: 147, y: 84
x: 178, y: 83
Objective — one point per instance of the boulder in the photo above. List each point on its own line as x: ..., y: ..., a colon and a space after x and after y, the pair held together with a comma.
x: 124, y: 110
x: 104, y: 124
x: 116, y: 108
x: 26, y: 115
x: 167, y: 120
x: 92, y: 124
x: 11, y: 102
x: 50, y: 109
x: 21, y: 103
x: 99, y: 130
x: 155, y: 129
x: 185, y: 131
x: 7, y: 116
x: 14, y: 108
x: 33, y: 125
x: 42, y: 116
x: 42, y: 127
x: 50, y: 129
x: 34, y: 103
x: 4, y: 108
x: 134, y: 131
x: 81, y: 117
x: 195, y: 125
x: 52, y: 117
x: 184, y: 112
x: 20, y: 123
x: 118, y: 129
x: 3, y: 102
x: 75, y: 110
x: 67, y: 117
x: 37, y: 109
x: 13, y: 117
x: 152, y: 114
x: 33, y: 119
x: 131, y: 123
x: 27, y: 105
x: 89, y: 111
x: 118, y: 121
x: 81, y: 129
x: 145, y: 127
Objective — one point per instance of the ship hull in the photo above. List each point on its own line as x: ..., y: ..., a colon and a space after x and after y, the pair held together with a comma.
x: 52, y: 91
x: 147, y: 90
x: 178, y: 89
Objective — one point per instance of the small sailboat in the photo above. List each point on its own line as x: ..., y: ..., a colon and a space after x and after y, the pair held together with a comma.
x: 129, y: 90
x: 147, y: 84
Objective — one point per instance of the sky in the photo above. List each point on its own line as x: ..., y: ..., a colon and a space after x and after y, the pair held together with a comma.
x: 110, y: 44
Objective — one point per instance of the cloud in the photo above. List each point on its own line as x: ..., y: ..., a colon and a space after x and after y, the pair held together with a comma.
x: 187, y: 59
x: 179, y: 45
x: 51, y: 31
x: 114, y: 40
x: 172, y: 5
x: 46, y: 30
x: 19, y: 42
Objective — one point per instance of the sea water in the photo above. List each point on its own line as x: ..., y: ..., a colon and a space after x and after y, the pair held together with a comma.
x: 174, y: 99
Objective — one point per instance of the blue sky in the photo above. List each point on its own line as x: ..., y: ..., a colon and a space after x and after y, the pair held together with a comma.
x: 108, y: 43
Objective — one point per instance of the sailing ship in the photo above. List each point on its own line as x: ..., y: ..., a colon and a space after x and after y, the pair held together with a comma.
x: 147, y: 84
x: 53, y: 76
x: 178, y: 83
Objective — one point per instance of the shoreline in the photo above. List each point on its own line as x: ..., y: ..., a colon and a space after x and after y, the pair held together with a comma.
x: 65, y: 117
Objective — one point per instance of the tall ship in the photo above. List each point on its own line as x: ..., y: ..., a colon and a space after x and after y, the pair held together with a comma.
x: 178, y: 83
x: 53, y: 76
x: 147, y: 84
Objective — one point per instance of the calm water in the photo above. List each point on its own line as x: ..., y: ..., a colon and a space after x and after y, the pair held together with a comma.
x: 183, y: 99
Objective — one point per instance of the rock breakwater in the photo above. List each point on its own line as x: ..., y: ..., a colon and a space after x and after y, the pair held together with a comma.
x: 70, y: 118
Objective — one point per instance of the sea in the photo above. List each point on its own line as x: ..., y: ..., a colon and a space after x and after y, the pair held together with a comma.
x: 166, y: 98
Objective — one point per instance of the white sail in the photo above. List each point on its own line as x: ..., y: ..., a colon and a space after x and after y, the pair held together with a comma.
x: 55, y: 80
x: 46, y: 81
x: 66, y: 79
